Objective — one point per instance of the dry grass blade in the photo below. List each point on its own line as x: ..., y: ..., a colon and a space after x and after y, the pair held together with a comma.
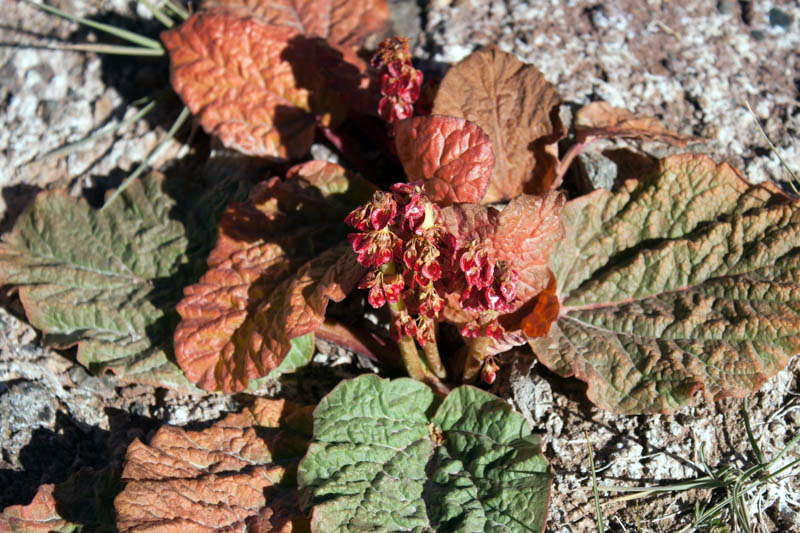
x: 126, y: 35
x: 160, y: 147
x: 794, y: 183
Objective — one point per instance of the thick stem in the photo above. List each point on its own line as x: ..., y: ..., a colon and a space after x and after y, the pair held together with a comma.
x: 411, y: 360
x: 476, y: 353
x: 406, y: 344
x: 431, y: 350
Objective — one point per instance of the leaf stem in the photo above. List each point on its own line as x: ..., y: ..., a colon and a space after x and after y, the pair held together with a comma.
x: 431, y: 350
x: 476, y: 353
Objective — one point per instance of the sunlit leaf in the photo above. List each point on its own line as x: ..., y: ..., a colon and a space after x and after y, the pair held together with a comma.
x: 253, y: 85
x: 688, y: 279
x: 279, y: 259
x: 108, y: 280
x: 451, y: 155
x: 516, y: 107
x: 236, y: 475
x: 386, y: 456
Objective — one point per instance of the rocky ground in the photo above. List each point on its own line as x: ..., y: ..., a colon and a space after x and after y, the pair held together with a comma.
x: 692, y: 65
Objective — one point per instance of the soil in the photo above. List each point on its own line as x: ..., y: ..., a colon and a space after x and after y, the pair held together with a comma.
x: 692, y: 65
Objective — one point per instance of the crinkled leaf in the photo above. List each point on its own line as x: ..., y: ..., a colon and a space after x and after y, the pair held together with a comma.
x: 602, y: 120
x: 684, y: 280
x: 544, y: 312
x: 39, y: 516
x: 279, y: 258
x: 522, y: 235
x: 237, y: 475
x: 513, y: 103
x: 253, y: 85
x: 84, y: 502
x: 452, y: 155
x: 108, y: 279
x: 384, y: 458
x: 345, y: 23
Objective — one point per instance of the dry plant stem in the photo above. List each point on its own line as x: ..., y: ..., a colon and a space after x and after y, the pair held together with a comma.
x: 476, y: 353
x: 431, y: 350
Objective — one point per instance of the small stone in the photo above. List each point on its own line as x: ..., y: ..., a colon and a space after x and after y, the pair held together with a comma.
x: 758, y: 35
x: 725, y: 7
x: 779, y: 18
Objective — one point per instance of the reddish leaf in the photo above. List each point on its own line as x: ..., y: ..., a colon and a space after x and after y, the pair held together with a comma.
x: 345, y: 23
x: 682, y: 280
x: 238, y: 474
x: 452, y: 155
x: 253, y: 85
x: 545, y: 311
x: 38, y: 516
x: 522, y: 235
x: 513, y: 103
x: 267, y: 283
x: 602, y: 120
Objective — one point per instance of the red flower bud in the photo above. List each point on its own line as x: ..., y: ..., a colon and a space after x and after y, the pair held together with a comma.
x: 471, y: 330
x: 489, y: 371
x: 494, y: 330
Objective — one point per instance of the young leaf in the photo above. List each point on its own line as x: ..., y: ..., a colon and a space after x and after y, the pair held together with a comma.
x: 237, y: 474
x: 602, y: 120
x: 39, y: 516
x: 343, y: 23
x: 279, y: 258
x: 513, y: 103
x: 452, y: 155
x: 685, y: 280
x: 108, y: 279
x: 253, y: 85
x: 385, y: 458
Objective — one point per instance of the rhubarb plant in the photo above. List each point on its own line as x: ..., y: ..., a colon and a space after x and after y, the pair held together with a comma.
x: 449, y: 231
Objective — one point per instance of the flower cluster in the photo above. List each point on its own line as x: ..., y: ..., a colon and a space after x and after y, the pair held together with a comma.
x: 488, y: 287
x: 414, y: 264
x: 400, y: 82
x: 401, y: 239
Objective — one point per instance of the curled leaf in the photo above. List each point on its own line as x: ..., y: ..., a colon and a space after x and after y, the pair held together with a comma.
x: 387, y: 457
x: 280, y: 257
x: 237, y: 474
x: 452, y: 155
x: 513, y: 103
x: 602, y: 120
x: 108, y: 279
x: 253, y: 85
x: 688, y: 279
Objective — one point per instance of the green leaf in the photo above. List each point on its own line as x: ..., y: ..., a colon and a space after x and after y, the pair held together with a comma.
x: 109, y: 280
x: 688, y: 279
x: 384, y: 458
